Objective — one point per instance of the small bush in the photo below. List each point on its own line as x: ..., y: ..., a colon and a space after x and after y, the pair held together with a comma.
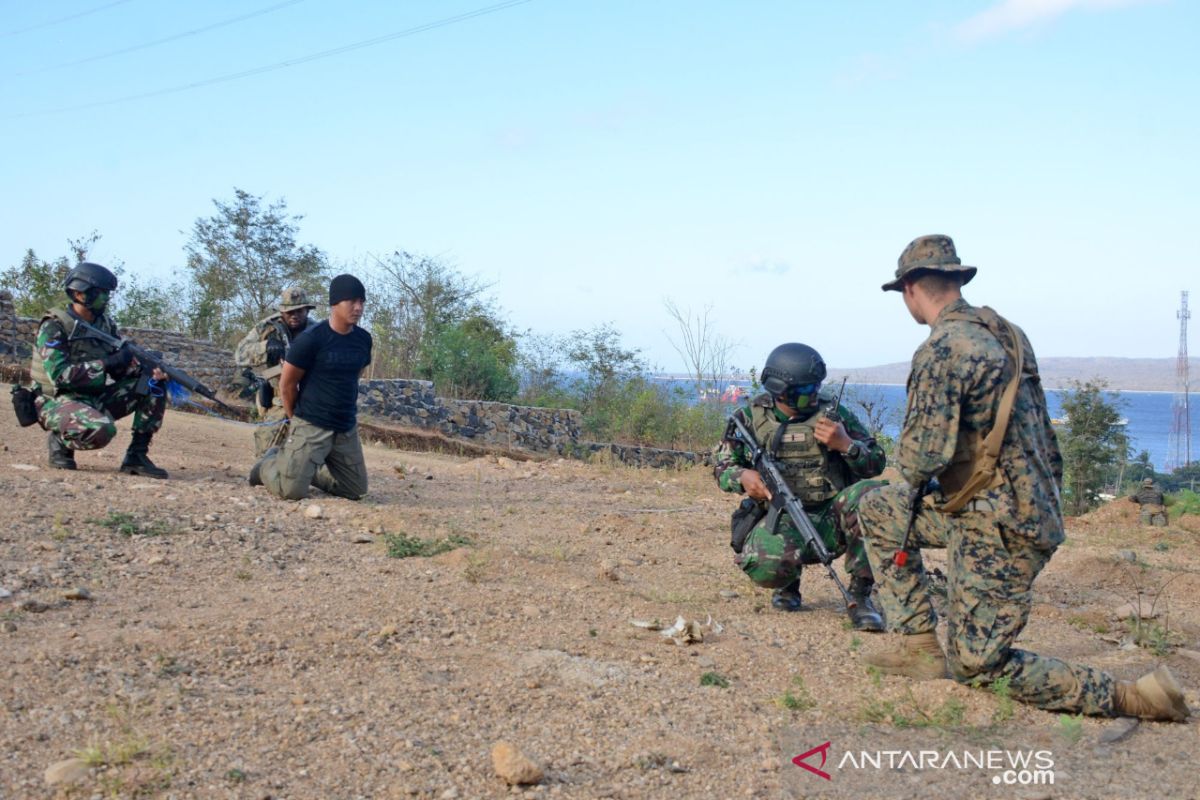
x: 130, y: 525
x: 401, y: 545
x: 798, y: 697
x: 714, y: 679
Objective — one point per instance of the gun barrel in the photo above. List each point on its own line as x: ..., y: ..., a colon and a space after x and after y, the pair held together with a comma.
x: 153, y: 362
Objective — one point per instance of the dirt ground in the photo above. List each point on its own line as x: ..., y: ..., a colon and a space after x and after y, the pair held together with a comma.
x: 230, y: 645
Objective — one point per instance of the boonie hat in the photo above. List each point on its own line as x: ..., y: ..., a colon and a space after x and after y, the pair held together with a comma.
x: 293, y: 298
x: 933, y: 253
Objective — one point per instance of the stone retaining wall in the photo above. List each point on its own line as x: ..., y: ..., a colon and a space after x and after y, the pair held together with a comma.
x: 409, y: 403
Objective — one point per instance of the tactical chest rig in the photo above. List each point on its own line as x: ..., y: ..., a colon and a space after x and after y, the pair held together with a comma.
x: 805, y: 463
x: 78, y: 349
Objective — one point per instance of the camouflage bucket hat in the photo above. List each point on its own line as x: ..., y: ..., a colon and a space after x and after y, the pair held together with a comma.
x: 933, y: 253
x: 293, y: 298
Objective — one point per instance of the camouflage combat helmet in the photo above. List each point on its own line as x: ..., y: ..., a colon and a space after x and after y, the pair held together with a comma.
x: 933, y: 253
x: 293, y: 298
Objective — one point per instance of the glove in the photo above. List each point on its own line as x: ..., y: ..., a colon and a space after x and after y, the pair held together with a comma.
x: 118, y: 361
x: 275, y: 351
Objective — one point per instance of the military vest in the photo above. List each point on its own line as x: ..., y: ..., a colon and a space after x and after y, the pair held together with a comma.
x: 77, y: 349
x: 806, y: 464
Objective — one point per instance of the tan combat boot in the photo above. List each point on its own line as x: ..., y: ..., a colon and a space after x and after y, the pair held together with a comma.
x: 919, y: 657
x: 1155, y: 695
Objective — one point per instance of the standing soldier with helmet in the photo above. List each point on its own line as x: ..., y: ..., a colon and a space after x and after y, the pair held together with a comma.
x: 262, y: 351
x: 85, y: 384
x: 824, y: 453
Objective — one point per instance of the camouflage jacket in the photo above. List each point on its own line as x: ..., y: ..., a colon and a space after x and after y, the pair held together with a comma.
x: 958, y: 375
x: 730, y: 458
x: 72, y: 366
x: 1148, y: 495
x: 252, y: 350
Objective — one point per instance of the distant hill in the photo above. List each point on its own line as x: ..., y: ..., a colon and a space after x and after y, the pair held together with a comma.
x: 1126, y: 374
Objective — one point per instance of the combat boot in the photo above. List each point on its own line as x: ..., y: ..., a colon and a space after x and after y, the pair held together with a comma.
x: 864, y: 614
x: 919, y: 657
x: 787, y: 598
x: 1155, y: 695
x: 61, y: 456
x: 137, y: 462
x: 255, y: 476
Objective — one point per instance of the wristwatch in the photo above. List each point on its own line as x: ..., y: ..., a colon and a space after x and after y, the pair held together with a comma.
x: 853, y: 451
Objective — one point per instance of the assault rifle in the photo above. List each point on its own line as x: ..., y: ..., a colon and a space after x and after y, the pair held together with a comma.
x: 784, y: 501
x: 147, y: 359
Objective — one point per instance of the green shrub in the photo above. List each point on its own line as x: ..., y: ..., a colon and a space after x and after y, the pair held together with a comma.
x: 401, y: 545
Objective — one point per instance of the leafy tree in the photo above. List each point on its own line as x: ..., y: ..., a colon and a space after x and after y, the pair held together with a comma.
x: 149, y: 304
x: 473, y: 359
x: 240, y: 259
x: 1093, y: 443
x: 422, y: 300
x: 540, y: 366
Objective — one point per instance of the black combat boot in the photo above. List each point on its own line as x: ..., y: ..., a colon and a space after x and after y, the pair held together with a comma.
x: 864, y: 614
x: 788, y: 597
x: 137, y: 462
x: 61, y: 456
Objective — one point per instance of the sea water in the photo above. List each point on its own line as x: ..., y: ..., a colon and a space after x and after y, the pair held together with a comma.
x: 1149, y: 414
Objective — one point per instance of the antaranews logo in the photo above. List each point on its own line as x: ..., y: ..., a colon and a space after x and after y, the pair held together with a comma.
x: 1008, y: 767
x: 800, y: 760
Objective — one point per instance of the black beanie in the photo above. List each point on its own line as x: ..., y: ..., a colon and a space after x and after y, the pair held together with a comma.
x: 346, y: 287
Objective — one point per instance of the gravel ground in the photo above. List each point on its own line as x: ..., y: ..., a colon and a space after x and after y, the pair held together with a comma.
x: 196, y: 638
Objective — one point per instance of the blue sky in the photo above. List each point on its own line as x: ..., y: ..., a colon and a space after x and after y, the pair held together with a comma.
x: 590, y: 159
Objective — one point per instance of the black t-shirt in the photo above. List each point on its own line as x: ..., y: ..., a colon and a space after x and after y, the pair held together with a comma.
x: 331, y: 362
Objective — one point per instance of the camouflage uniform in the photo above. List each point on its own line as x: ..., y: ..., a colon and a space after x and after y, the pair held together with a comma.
x: 1002, y: 538
x: 1150, y: 498
x: 775, y: 559
x: 78, y: 400
x: 252, y: 353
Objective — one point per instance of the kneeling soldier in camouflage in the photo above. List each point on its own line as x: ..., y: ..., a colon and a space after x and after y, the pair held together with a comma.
x: 85, y: 384
x: 824, y: 462
x: 262, y: 350
x: 977, y: 421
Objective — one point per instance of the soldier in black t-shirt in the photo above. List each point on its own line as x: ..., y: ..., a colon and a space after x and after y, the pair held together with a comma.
x: 319, y: 387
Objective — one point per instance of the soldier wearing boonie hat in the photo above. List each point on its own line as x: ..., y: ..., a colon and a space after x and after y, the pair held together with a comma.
x: 262, y: 351
x: 924, y: 254
x: 977, y: 434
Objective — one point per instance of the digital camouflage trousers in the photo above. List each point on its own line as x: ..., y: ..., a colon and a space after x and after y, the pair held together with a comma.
x: 775, y: 559
x: 87, y: 421
x: 989, y: 585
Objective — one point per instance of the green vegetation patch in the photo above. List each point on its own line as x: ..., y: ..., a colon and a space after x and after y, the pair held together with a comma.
x: 130, y: 525
x: 401, y: 545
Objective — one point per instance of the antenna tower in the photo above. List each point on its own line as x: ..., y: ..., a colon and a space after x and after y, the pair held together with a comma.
x: 1179, y: 447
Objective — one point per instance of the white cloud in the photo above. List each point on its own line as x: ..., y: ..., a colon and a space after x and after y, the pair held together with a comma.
x: 769, y: 266
x: 1011, y: 15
